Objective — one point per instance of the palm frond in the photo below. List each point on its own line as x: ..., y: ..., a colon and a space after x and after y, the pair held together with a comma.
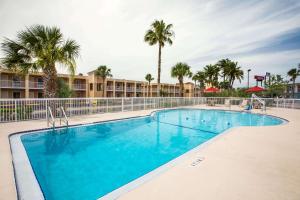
x: 159, y: 33
x: 40, y: 47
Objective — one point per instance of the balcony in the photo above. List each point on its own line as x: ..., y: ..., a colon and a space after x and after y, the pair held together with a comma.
x: 109, y: 88
x: 119, y: 88
x: 154, y: 89
x: 139, y: 89
x: 36, y: 85
x: 177, y: 91
x: 130, y: 89
x: 79, y: 87
x: 12, y: 84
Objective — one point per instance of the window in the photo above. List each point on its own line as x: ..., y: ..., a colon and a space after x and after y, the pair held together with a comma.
x: 16, y: 78
x: 187, y: 91
x: 16, y: 95
x: 40, y: 80
x: 91, y: 86
x: 40, y: 95
x: 99, y: 86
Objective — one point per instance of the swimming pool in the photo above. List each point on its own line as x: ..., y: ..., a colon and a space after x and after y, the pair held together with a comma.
x: 90, y: 161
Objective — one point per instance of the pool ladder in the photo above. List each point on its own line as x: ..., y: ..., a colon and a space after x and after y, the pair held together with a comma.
x: 255, y: 97
x: 50, y: 120
x: 62, y: 117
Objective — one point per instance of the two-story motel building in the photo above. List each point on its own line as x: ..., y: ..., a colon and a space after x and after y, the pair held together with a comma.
x: 13, y: 85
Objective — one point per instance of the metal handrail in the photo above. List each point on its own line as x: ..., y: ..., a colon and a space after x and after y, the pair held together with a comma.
x: 63, y: 114
x: 51, y: 118
x: 253, y: 96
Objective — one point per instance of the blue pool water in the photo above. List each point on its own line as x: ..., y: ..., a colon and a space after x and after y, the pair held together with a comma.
x: 87, y: 162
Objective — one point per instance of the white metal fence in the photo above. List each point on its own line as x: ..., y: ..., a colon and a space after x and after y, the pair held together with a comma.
x: 31, y: 109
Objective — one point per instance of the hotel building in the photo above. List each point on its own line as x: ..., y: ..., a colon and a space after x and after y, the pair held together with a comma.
x: 13, y: 85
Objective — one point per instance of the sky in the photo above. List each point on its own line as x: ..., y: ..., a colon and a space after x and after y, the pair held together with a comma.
x: 263, y: 36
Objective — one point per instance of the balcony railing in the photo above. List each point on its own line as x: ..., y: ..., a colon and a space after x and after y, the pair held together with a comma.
x: 130, y: 89
x: 79, y: 86
x: 119, y: 88
x: 12, y: 84
x: 139, y: 89
x: 36, y: 85
x: 109, y: 88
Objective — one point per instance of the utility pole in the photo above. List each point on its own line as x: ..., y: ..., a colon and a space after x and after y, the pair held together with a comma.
x: 249, y: 70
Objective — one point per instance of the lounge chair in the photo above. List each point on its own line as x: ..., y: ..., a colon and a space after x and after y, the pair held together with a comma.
x: 244, y: 103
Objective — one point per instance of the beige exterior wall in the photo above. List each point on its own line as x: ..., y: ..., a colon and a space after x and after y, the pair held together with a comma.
x: 13, y: 85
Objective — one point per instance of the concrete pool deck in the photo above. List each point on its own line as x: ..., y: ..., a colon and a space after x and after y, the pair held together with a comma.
x: 246, y: 163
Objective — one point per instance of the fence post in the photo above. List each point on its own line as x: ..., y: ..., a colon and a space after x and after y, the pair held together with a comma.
x: 46, y: 111
x: 107, y: 105
x: 122, y: 104
x: 144, y: 103
x: 132, y: 103
x: 16, y: 110
x: 70, y: 107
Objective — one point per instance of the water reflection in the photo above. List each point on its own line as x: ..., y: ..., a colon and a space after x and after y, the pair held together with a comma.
x: 57, y: 141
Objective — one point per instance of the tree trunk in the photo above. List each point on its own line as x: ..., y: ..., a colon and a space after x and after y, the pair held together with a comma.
x: 158, y: 69
x: 232, y: 81
x: 294, y: 80
x: 148, y: 89
x: 50, y: 86
x: 103, y: 82
x: 181, y: 87
x: 195, y: 89
x: 50, y: 82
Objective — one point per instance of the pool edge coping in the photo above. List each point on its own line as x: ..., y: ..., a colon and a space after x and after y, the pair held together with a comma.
x: 142, y: 179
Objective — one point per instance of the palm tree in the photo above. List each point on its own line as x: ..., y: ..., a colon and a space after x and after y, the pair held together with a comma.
x: 195, y: 78
x: 293, y: 74
x: 179, y: 71
x: 201, y: 78
x: 224, y: 66
x: 103, y: 72
x: 234, y: 72
x: 159, y: 33
x: 149, y: 78
x: 41, y: 48
x: 211, y: 74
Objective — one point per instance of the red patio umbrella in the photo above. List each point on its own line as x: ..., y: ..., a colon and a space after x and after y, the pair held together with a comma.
x: 211, y: 89
x: 255, y: 89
